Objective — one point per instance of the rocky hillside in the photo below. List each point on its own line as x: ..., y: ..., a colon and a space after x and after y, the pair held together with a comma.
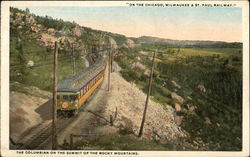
x: 161, y: 122
x: 32, y: 41
x: 47, y: 30
x: 46, y: 34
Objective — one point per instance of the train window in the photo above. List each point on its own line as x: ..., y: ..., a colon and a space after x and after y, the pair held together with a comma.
x: 81, y: 92
x: 84, y: 90
x: 65, y: 97
x: 72, y: 97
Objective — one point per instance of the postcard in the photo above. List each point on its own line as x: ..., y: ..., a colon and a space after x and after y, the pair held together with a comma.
x: 125, y: 78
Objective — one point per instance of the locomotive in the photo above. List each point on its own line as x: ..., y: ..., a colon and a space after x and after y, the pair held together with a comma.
x: 73, y: 92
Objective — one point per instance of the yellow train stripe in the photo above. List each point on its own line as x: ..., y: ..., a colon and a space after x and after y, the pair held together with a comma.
x: 89, y: 92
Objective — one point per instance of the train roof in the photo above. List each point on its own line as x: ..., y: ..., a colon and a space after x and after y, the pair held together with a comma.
x: 76, y: 82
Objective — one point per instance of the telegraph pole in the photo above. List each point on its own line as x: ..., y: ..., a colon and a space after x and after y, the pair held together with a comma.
x: 148, y: 94
x: 54, y: 106
x: 109, y: 70
x: 111, y: 58
x: 73, y: 59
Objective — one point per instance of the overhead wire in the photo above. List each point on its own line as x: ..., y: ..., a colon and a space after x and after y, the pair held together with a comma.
x: 34, y: 66
x: 48, y: 62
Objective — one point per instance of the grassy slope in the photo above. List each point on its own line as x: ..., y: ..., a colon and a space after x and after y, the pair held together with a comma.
x: 209, y: 51
x: 118, y: 142
x: 41, y: 74
x: 219, y: 70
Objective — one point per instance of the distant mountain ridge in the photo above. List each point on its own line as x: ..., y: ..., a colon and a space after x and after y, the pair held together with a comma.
x: 150, y: 39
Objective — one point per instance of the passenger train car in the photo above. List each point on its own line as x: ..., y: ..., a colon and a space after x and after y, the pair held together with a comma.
x: 74, y: 91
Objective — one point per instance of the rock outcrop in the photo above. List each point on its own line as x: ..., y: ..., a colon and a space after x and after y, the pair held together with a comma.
x: 201, y: 88
x: 113, y: 43
x: 130, y: 43
x: 177, y: 98
x: 77, y: 31
x: 141, y: 67
x: 175, y: 85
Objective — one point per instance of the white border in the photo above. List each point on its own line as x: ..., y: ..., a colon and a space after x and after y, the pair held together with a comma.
x: 5, y: 73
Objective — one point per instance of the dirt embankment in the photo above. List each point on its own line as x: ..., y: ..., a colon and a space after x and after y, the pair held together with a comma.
x: 23, y: 113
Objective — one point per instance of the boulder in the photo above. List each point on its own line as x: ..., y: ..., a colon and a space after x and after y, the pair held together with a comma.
x: 177, y: 107
x: 127, y: 123
x: 147, y: 72
x: 130, y: 43
x: 191, y: 109
x: 77, y: 31
x: 207, y: 121
x: 201, y: 88
x: 113, y: 43
x: 30, y: 20
x: 34, y: 29
x: 30, y: 63
x: 39, y: 26
x: 137, y: 58
x: 178, y: 120
x: 116, y: 67
x: 124, y: 45
x: 19, y: 19
x: 48, y: 40
x: 177, y: 98
x: 175, y: 85
x: 139, y: 66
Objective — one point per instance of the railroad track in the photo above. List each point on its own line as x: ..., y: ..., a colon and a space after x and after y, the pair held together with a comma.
x: 43, y: 136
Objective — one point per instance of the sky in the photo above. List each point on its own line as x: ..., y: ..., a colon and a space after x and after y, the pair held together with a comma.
x: 183, y: 23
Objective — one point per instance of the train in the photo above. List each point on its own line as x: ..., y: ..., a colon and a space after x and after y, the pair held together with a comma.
x: 72, y: 93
